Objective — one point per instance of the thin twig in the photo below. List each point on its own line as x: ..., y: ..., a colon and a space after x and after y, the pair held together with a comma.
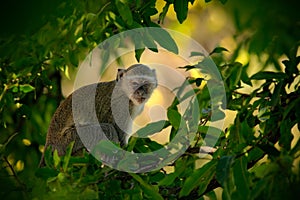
x: 14, y: 173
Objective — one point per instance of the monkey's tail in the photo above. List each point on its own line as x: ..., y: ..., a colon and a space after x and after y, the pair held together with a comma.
x: 42, y: 161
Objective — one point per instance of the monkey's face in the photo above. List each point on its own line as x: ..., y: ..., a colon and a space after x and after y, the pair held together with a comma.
x: 139, y: 88
x: 142, y: 90
x: 138, y: 82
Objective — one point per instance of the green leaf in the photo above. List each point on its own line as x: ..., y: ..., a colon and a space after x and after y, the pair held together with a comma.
x: 48, y: 157
x: 265, y: 75
x: 241, y: 178
x: 150, y: 11
x: 199, y: 178
x: 191, y: 1
x: 223, y: 169
x: 68, y: 156
x: 211, y: 134
x: 152, y: 128
x: 150, y: 190
x: 223, y: 1
x: 89, y: 193
x: 154, y: 145
x: 46, y: 173
x: 259, y: 188
x: 73, y: 57
x: 218, y: 50
x: 276, y: 94
x: 14, y: 88
x: 291, y: 65
x: 180, y: 167
x: 138, y: 45
x: 174, y: 118
x: 138, y: 53
x: 211, y: 195
x: 195, y: 53
x: 235, y: 75
x: 164, y: 12
x: 56, y: 158
x: 189, y: 94
x: 149, y: 42
x: 286, y: 135
x: 26, y: 88
x: 124, y: 11
x: 199, y: 81
x: 296, y: 148
x: 187, y: 67
x: 269, y: 149
x: 164, y: 39
x: 290, y: 107
x: 244, y: 76
x: 181, y: 9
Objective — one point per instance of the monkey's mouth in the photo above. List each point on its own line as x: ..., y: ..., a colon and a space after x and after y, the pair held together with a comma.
x: 140, y: 99
x: 140, y: 95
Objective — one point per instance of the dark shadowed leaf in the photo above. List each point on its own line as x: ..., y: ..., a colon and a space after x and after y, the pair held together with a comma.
x: 244, y: 76
x: 125, y: 12
x: 181, y: 9
x: 241, y: 178
x: 46, y: 173
x: 286, y: 135
x: 268, y: 75
x: 223, y: 1
x: 211, y: 195
x: 223, y: 169
x: 187, y: 67
x: 218, y: 50
x: 199, y: 178
x: 150, y: 190
x: 169, y: 179
x: 138, y: 53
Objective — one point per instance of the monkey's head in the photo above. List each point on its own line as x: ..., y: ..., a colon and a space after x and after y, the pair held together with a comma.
x: 138, y: 82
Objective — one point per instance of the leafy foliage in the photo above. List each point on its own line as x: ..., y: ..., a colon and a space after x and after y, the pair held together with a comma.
x: 257, y: 157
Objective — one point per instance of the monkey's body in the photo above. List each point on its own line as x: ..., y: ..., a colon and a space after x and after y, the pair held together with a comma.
x: 62, y: 127
x: 114, y: 94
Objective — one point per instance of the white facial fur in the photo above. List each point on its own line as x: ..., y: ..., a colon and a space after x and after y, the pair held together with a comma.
x: 138, y: 88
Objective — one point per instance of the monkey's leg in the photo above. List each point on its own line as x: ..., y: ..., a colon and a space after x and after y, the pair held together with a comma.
x: 66, y: 136
x: 85, y: 136
x: 92, y: 135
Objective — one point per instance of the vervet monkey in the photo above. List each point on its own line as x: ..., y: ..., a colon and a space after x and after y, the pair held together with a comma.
x: 127, y: 94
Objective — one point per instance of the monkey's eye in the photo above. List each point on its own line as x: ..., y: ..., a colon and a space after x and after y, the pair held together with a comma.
x: 135, y: 84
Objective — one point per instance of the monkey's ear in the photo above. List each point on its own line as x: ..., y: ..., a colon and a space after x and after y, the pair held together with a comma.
x: 154, y: 72
x: 120, y: 74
